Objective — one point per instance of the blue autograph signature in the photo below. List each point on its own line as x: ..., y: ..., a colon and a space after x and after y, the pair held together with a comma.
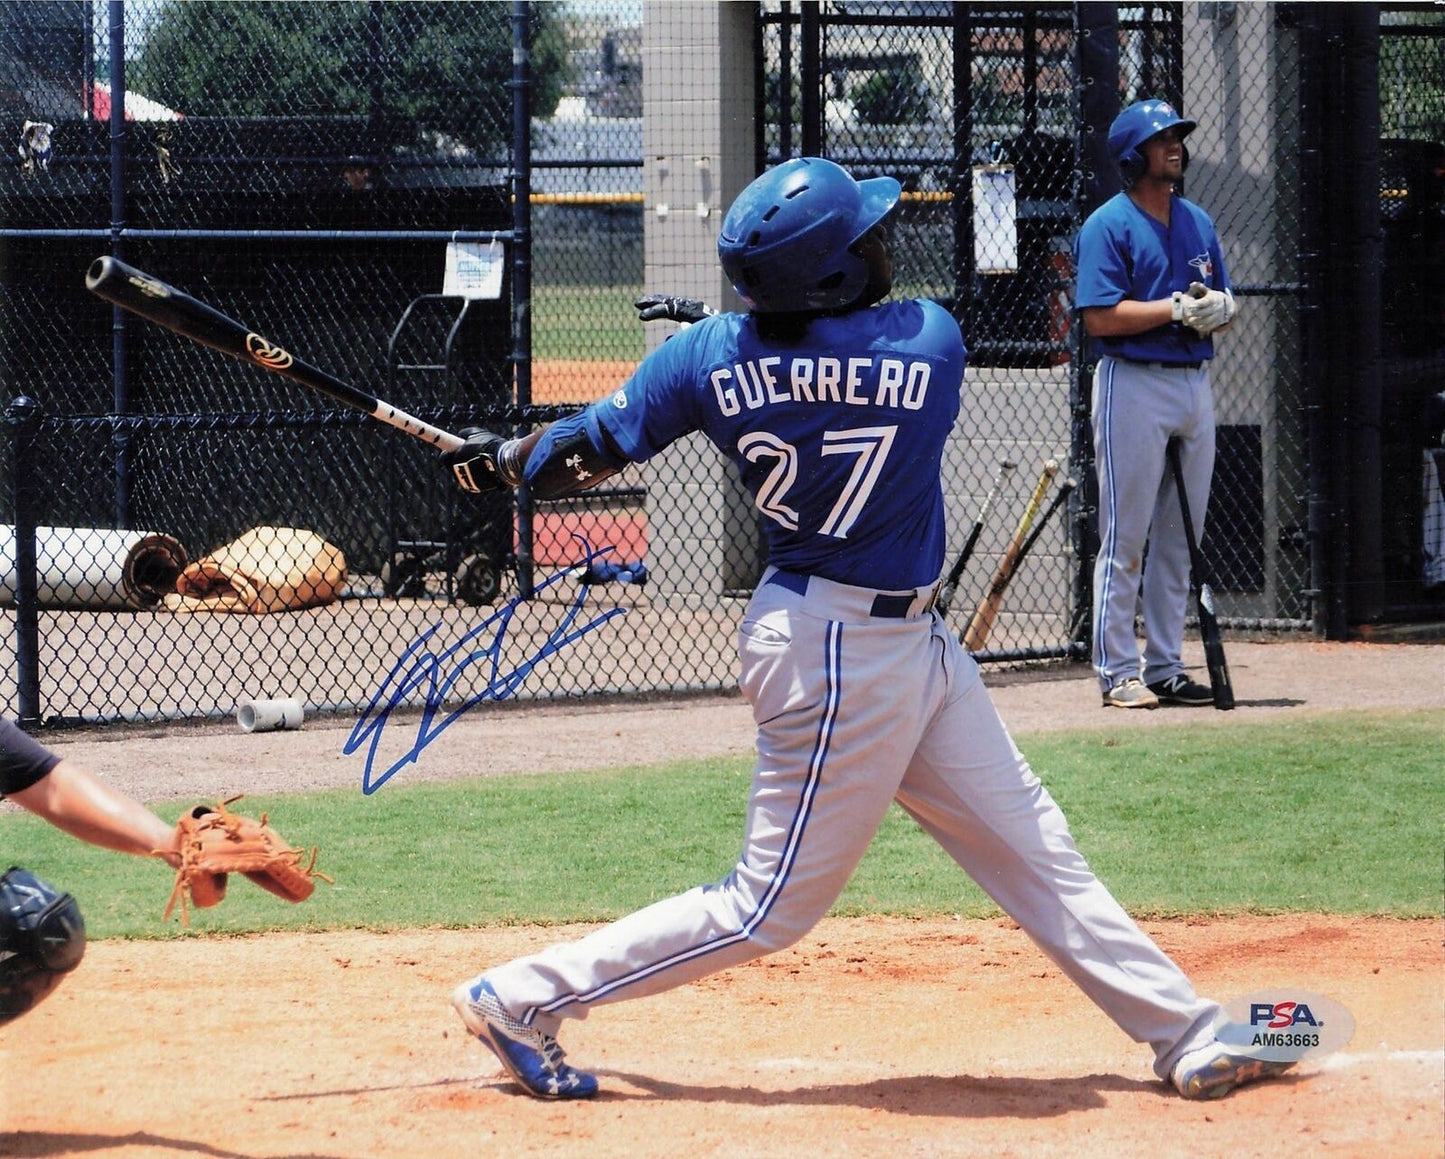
x: 425, y: 669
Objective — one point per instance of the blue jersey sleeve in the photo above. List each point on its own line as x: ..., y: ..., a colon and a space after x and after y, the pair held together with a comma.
x: 650, y: 410
x: 1104, y: 271
x: 658, y: 404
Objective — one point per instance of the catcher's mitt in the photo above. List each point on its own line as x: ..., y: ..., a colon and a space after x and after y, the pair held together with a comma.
x: 214, y: 842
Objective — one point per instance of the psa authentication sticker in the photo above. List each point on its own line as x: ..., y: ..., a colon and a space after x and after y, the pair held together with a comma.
x: 1284, y: 1025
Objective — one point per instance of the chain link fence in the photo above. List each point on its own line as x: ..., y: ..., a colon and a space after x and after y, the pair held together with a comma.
x: 332, y: 174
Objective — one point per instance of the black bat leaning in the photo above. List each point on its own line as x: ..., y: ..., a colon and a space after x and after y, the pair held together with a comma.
x: 1219, y: 682
x: 148, y: 297
x: 950, y: 585
x: 1065, y: 488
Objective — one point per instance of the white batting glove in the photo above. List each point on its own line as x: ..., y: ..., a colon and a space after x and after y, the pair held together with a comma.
x: 1203, y: 310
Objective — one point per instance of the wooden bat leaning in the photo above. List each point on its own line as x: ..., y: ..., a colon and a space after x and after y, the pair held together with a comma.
x: 139, y: 293
x: 1042, y: 522
x: 986, y: 613
x: 1219, y: 682
x: 950, y: 585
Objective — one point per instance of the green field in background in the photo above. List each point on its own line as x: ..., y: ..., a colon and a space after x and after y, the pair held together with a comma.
x: 1340, y: 814
x: 589, y: 322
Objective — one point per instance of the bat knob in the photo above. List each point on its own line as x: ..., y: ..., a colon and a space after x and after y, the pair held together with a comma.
x: 96, y: 274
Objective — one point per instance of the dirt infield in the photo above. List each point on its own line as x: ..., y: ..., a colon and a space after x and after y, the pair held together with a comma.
x: 870, y: 1037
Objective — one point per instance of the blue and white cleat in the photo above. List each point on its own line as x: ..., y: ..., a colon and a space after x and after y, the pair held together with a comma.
x: 1212, y: 1071
x: 532, y: 1058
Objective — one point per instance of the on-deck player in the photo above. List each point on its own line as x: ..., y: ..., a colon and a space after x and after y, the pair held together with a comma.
x: 1138, y: 257
x: 835, y: 411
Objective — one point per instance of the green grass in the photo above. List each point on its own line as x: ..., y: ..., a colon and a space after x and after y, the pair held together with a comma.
x: 1340, y: 814
x: 596, y: 322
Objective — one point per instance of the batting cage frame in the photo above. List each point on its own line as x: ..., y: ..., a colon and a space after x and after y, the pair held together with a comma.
x: 453, y: 207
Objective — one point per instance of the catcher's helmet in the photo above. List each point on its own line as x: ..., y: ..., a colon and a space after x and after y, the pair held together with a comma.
x: 1137, y: 124
x: 785, y: 242
x: 42, y: 938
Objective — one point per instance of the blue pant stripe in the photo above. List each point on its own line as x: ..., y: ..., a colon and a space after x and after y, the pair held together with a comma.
x: 1109, y: 550
x: 833, y: 676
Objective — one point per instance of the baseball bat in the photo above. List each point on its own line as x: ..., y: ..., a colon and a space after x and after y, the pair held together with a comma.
x: 1000, y: 585
x: 149, y: 297
x: 1042, y: 521
x: 1219, y: 682
x: 950, y: 585
x: 986, y: 613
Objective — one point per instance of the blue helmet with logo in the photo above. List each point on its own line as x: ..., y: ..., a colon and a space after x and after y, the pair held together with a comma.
x: 785, y: 243
x: 1137, y: 124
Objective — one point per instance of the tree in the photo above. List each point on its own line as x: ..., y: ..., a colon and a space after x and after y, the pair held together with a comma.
x: 891, y: 97
x: 441, y: 65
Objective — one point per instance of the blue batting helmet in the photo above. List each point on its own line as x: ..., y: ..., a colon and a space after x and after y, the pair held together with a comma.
x: 1137, y: 124
x: 785, y: 242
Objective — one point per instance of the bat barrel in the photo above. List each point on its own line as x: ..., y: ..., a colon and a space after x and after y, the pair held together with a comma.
x: 143, y: 294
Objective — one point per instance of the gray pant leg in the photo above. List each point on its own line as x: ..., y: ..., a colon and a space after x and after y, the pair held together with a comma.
x: 1166, y: 578
x: 973, y: 791
x: 1129, y: 458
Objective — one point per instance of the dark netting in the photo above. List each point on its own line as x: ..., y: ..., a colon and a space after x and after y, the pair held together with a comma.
x: 1412, y: 220
x: 974, y: 112
x: 327, y: 174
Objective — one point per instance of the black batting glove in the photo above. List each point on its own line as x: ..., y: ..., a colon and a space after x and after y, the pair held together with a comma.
x: 688, y: 310
x: 476, y: 463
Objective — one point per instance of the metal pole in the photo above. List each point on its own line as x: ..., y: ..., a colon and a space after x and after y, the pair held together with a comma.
x: 785, y: 88
x: 1096, y: 37
x: 1313, y: 352
x: 22, y: 416
x: 811, y: 36
x: 120, y: 386
x: 962, y: 203
x: 521, y: 85
x: 1362, y: 247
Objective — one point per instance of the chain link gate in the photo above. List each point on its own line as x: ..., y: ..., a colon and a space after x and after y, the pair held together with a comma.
x: 314, y: 171
x: 994, y: 117
x: 311, y: 178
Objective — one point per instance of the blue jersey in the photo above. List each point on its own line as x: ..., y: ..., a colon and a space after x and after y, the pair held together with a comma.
x: 1123, y: 252
x: 839, y: 437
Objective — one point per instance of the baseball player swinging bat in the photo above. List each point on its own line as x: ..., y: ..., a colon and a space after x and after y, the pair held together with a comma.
x: 950, y: 585
x: 149, y: 297
x: 986, y: 613
x: 1219, y: 682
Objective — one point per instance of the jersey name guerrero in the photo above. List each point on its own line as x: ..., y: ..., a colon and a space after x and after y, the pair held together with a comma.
x: 862, y: 382
x: 838, y: 436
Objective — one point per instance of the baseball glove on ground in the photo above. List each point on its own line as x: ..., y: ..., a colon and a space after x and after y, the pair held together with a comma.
x: 214, y: 842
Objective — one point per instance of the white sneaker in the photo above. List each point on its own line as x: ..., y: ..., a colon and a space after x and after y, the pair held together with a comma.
x: 1130, y: 693
x: 1213, y: 1070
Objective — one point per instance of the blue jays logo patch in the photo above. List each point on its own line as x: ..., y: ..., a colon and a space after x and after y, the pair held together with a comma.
x: 1205, y: 266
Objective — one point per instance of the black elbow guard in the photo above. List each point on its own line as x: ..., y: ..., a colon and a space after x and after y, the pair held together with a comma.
x: 573, y: 464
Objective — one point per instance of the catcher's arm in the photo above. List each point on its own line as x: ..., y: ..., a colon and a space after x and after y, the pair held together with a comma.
x: 76, y: 801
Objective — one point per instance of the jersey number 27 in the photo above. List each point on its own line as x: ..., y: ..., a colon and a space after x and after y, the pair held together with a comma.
x: 868, y: 445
